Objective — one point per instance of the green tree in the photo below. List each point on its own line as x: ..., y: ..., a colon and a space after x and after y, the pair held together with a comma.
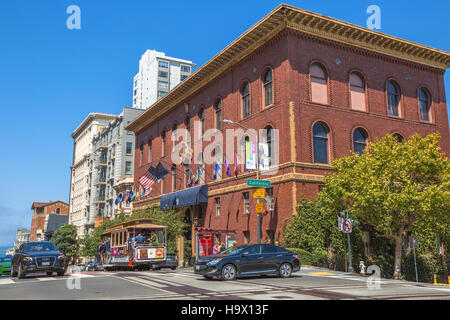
x: 65, y: 237
x: 314, y: 229
x: 393, y: 186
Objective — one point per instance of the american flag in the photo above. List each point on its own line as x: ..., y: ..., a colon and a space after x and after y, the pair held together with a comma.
x: 147, y: 180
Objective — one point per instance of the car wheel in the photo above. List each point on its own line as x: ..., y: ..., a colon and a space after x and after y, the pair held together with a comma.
x: 13, y: 272
x: 285, y: 270
x: 174, y: 268
x: 228, y: 272
x: 49, y: 274
x: 60, y: 273
x: 20, y: 273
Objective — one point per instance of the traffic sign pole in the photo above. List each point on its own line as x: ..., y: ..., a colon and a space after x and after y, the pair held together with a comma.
x: 350, y: 268
x: 259, y: 228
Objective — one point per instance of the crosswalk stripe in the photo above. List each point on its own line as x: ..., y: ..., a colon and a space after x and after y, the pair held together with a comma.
x: 147, y: 282
x: 6, y: 281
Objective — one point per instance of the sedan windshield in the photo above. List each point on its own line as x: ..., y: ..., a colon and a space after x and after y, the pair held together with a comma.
x: 233, y: 250
x: 37, y: 247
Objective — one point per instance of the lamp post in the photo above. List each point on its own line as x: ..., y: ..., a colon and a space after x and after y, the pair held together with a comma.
x: 257, y: 173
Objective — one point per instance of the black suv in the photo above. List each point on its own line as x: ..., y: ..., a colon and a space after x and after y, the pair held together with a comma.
x: 37, y: 257
x: 249, y: 260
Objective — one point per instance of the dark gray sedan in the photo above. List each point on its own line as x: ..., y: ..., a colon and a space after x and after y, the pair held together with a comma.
x: 249, y: 260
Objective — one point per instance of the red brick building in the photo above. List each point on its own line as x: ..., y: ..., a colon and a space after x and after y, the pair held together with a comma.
x: 40, y: 211
x: 329, y: 87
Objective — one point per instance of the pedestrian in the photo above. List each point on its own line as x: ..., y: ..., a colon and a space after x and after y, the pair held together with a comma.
x: 221, y: 247
x: 140, y: 239
x: 216, y: 249
x: 108, y: 250
x: 100, y: 249
x: 234, y: 243
x: 277, y: 243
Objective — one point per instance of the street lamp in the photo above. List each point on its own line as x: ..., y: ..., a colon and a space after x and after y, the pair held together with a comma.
x: 257, y: 171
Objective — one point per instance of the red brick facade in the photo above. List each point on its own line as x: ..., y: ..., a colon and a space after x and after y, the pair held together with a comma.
x: 40, y: 212
x: 290, y: 55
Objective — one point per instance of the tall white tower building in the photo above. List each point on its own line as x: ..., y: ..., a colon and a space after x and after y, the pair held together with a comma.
x: 158, y: 74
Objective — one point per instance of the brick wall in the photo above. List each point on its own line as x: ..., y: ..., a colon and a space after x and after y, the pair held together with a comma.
x: 289, y: 55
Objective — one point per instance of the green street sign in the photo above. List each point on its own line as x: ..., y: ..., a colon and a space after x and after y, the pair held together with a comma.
x: 258, y: 183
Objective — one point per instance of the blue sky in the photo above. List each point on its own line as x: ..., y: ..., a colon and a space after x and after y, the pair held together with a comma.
x: 51, y: 78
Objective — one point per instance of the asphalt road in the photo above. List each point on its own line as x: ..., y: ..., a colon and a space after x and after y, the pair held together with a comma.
x: 183, y: 284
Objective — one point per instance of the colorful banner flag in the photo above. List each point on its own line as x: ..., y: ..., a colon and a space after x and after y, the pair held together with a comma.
x: 216, y: 170
x: 264, y: 159
x: 130, y: 196
x: 199, y: 174
x: 227, y: 167
x: 250, y: 156
x: 119, y: 199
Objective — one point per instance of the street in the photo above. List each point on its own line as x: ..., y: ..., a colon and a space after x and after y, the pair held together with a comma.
x: 183, y: 284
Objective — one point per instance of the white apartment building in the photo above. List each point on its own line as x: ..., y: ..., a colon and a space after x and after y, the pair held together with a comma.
x: 80, y: 183
x: 158, y: 74
x: 112, y: 159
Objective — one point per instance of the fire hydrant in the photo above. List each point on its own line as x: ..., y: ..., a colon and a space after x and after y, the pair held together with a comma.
x: 362, y: 267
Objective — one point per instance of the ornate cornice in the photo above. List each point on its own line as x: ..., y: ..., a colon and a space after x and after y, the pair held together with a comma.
x: 286, y: 17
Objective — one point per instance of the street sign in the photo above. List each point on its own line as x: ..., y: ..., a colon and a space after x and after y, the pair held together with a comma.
x: 259, y: 193
x: 260, y: 207
x: 258, y: 183
x: 347, y: 226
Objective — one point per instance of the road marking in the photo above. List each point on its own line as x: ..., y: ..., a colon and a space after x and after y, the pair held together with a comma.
x: 48, y: 279
x: 147, y: 282
x: 322, y: 273
x: 6, y: 281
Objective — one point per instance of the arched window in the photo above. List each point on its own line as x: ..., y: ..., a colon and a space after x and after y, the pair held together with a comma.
x: 141, y: 155
x: 424, y: 104
x: 149, y: 150
x: 268, y: 88
x: 359, y: 140
x: 201, y: 116
x: 163, y: 143
x: 393, y: 94
x: 187, y: 124
x: 245, y: 98
x: 357, y: 92
x: 218, y: 110
x: 398, y: 137
x: 320, y: 143
x: 319, y: 87
x: 173, y: 169
x: 269, y: 141
x: 174, y: 131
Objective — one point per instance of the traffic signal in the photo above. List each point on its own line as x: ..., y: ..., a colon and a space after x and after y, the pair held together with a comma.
x: 265, y: 213
x: 343, y: 214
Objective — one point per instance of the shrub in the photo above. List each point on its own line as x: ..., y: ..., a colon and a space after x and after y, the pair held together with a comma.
x: 317, y: 258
